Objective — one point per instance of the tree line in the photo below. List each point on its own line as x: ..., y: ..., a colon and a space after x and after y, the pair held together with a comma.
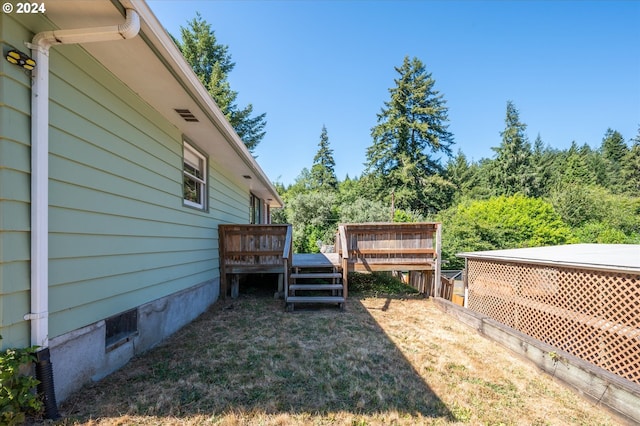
x: 525, y: 195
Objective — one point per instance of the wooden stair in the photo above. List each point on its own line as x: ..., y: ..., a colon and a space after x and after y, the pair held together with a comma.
x: 315, y: 284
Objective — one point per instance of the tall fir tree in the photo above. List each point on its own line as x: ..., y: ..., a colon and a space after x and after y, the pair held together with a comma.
x: 575, y: 168
x: 323, y: 174
x: 614, y: 149
x: 462, y: 174
x: 596, y: 165
x: 411, y: 135
x: 512, y: 170
x: 630, y: 168
x: 212, y: 63
x: 542, y: 166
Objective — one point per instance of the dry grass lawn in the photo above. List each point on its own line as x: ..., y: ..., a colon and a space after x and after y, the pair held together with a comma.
x: 382, y: 361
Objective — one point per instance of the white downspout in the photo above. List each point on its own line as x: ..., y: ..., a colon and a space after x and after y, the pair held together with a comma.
x: 40, y: 46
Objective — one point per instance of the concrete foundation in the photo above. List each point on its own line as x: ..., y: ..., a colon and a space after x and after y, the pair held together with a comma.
x: 81, y: 356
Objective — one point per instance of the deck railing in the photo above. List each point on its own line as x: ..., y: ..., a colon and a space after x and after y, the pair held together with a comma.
x: 369, y: 247
x: 362, y: 247
x: 248, y: 248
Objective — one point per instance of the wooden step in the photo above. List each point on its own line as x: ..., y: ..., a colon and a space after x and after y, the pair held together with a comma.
x: 315, y: 286
x: 315, y: 299
x: 316, y: 275
x: 314, y: 266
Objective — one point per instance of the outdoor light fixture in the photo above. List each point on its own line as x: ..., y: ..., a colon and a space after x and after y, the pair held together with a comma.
x: 20, y: 59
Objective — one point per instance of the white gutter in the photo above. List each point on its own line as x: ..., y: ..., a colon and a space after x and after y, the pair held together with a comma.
x: 40, y: 46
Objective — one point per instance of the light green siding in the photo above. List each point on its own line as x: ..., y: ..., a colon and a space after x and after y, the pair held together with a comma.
x: 15, y: 95
x: 119, y: 235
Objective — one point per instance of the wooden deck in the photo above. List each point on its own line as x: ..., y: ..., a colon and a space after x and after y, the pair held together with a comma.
x: 320, y: 260
x: 365, y: 247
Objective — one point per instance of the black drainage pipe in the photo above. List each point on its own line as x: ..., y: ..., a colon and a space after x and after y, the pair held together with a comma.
x: 44, y: 373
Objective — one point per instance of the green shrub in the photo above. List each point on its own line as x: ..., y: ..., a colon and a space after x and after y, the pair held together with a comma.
x: 378, y: 283
x: 500, y: 223
x: 17, y: 399
x: 603, y: 233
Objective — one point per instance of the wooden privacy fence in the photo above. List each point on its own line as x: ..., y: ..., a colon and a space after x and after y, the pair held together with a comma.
x: 246, y: 249
x: 591, y: 314
x: 369, y: 247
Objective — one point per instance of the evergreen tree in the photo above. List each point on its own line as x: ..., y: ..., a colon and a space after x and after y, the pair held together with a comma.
x: 596, y: 165
x: 575, y: 169
x: 483, y: 171
x: 301, y: 185
x: 630, y: 168
x: 212, y: 63
x: 412, y: 131
x: 542, y: 162
x: 614, y: 149
x: 349, y: 190
x: 512, y: 171
x: 613, y: 146
x: 461, y: 174
x: 323, y: 173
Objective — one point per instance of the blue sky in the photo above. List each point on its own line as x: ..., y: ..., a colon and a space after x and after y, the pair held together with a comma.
x: 572, y: 68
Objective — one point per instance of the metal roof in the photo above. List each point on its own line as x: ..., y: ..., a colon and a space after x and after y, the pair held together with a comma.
x: 614, y: 257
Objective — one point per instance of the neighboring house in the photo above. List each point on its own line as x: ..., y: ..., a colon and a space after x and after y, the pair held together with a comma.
x: 115, y: 246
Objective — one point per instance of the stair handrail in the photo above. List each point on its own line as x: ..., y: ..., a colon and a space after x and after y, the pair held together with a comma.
x: 286, y: 259
x: 344, y: 248
x: 288, y: 243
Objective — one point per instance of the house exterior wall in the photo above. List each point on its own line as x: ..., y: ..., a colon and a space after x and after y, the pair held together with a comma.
x: 119, y: 233
x: 15, y: 166
x: 120, y: 237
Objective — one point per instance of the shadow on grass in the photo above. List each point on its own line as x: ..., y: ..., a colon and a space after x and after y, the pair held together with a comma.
x: 250, y: 356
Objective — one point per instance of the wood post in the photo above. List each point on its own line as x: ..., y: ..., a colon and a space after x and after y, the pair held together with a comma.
x: 438, y: 268
x: 235, y: 286
x: 222, y: 262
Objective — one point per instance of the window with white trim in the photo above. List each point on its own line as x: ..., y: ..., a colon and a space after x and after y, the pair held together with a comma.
x: 194, y: 178
x: 255, y: 210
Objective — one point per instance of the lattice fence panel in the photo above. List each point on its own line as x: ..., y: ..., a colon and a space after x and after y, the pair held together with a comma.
x: 594, y: 315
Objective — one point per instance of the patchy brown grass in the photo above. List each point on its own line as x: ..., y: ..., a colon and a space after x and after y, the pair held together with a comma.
x: 382, y: 361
